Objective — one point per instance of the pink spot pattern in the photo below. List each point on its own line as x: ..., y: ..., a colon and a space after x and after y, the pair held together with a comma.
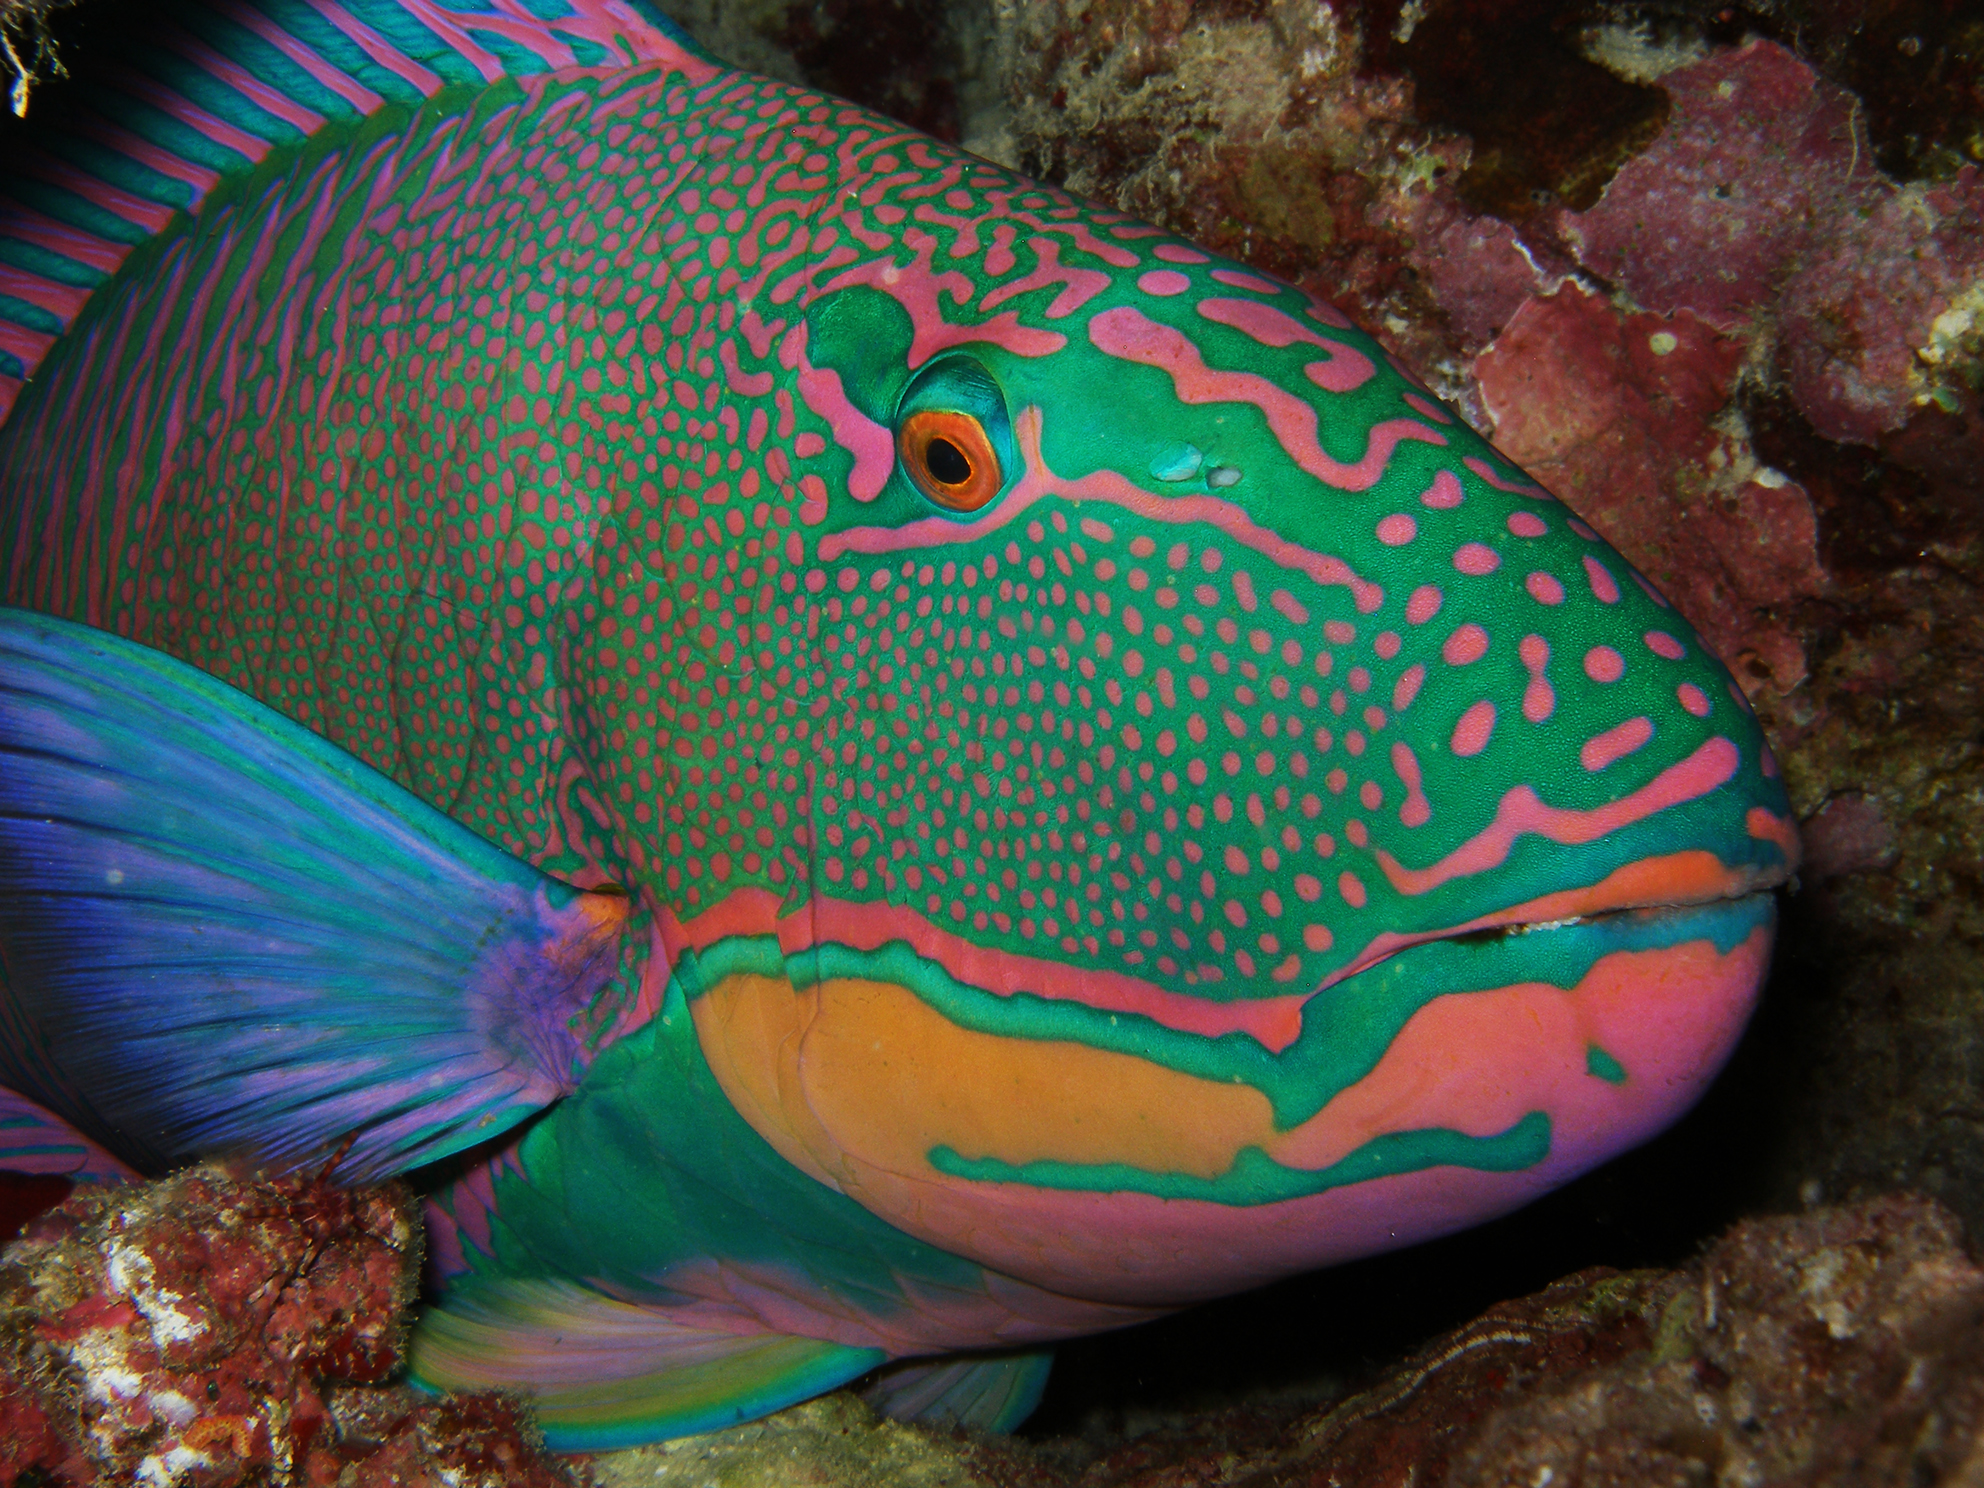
x: 1465, y: 646
x: 1693, y: 699
x: 1603, y: 664
x: 1352, y: 888
x: 1615, y: 744
x: 1424, y: 604
x: 1398, y: 529
x: 1602, y: 583
x: 1444, y: 494
x: 1477, y: 559
x: 1179, y: 253
x: 1407, y: 687
x: 1416, y: 811
x: 1246, y: 281
x: 1544, y: 588
x: 1163, y: 282
x: 1539, y: 698
x: 1476, y: 727
x: 1527, y: 524
x: 1662, y: 644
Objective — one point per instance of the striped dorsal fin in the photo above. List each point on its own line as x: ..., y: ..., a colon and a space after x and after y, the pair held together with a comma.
x: 204, y: 91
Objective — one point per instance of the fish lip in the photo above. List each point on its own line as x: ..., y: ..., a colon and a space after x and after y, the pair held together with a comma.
x: 1504, y: 924
x: 1649, y: 909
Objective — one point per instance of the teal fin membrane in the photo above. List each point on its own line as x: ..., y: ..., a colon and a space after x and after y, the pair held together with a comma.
x: 221, y: 933
x: 986, y: 1392
x: 603, y: 1374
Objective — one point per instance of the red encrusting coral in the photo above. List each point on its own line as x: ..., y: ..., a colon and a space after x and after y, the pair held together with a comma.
x: 217, y: 1330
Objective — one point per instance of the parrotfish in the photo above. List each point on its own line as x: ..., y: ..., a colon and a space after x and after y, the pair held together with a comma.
x: 859, y: 764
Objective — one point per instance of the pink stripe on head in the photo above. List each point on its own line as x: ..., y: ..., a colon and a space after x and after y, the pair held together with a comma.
x: 1128, y: 333
x: 1246, y: 281
x: 1428, y: 407
x: 1347, y: 368
x: 1523, y: 813
x: 1040, y: 482
x: 1615, y: 744
x: 1514, y: 487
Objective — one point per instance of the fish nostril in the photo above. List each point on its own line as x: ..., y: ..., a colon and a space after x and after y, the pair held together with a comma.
x: 1221, y: 476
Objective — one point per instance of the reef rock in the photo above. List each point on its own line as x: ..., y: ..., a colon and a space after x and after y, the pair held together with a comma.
x: 214, y: 1330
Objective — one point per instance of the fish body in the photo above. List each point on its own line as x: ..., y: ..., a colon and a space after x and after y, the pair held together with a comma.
x: 948, y: 769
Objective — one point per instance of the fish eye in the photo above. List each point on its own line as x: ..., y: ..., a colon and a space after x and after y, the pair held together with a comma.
x: 950, y: 457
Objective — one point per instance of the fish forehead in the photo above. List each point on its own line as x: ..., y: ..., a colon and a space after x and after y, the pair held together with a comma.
x: 1262, y: 661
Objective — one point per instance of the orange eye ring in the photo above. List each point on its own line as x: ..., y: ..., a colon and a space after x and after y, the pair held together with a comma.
x: 950, y: 458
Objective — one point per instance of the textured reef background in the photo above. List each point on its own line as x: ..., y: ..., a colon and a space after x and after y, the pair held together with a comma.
x: 1716, y: 275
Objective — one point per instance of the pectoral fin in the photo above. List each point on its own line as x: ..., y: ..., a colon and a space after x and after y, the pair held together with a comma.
x: 220, y: 933
x: 603, y: 1374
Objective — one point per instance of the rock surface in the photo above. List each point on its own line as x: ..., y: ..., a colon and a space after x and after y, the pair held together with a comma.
x: 1839, y: 1346
x: 213, y: 1331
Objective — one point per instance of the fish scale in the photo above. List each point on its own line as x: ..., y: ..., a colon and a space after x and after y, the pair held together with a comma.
x: 1215, y: 848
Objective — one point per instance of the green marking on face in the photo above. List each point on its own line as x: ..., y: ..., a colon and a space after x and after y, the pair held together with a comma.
x: 1604, y: 1066
x: 1256, y: 1178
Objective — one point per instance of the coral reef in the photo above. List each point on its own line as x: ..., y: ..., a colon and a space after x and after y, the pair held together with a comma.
x: 216, y: 1330
x: 1838, y: 1346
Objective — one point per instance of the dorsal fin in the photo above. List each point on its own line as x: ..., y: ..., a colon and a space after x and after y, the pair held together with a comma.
x: 204, y: 91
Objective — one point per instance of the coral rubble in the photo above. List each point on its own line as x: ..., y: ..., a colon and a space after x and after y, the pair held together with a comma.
x: 214, y: 1330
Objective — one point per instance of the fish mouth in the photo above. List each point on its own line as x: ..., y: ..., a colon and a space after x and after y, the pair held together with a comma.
x: 1669, y: 891
x: 1623, y: 916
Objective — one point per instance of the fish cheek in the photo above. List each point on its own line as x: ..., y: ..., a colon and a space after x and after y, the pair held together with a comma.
x: 857, y: 1082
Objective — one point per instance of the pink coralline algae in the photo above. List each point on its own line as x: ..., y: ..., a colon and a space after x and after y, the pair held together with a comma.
x: 1621, y: 407
x: 213, y: 1331
x: 1761, y: 159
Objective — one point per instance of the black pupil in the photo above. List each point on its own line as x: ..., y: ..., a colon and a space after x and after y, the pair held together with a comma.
x: 947, y: 462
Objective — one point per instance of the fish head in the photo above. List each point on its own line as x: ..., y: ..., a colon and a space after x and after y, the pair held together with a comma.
x: 1249, y: 823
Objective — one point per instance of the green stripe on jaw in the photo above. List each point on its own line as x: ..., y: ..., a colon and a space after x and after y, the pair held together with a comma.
x: 1255, y: 1178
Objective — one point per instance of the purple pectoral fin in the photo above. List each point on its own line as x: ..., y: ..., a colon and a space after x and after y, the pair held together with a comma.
x: 221, y: 933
